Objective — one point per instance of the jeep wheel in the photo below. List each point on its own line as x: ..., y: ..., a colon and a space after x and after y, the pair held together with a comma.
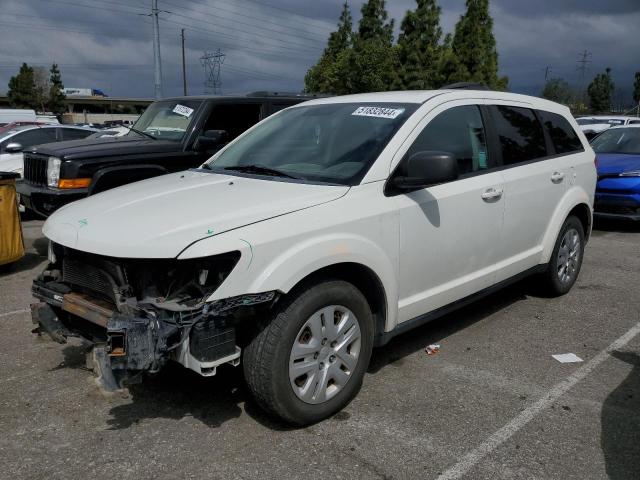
x: 566, y: 258
x: 309, y: 361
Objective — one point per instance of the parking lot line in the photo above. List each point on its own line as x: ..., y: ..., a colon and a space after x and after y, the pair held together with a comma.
x: 503, y: 434
x: 14, y: 312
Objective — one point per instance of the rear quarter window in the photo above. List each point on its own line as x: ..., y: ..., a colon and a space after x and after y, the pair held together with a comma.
x: 520, y: 134
x: 563, y: 136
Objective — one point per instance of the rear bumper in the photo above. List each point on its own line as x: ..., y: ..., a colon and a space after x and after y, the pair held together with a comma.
x: 43, y: 200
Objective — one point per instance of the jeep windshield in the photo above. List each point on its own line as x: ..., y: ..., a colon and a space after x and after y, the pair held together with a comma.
x: 328, y: 143
x: 166, y: 120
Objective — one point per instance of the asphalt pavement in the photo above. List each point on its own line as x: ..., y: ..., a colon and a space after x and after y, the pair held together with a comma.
x: 491, y: 404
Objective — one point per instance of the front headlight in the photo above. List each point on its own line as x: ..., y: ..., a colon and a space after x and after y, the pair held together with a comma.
x: 53, y: 171
x: 633, y: 173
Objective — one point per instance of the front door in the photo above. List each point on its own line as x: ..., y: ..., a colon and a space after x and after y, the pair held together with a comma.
x: 450, y: 233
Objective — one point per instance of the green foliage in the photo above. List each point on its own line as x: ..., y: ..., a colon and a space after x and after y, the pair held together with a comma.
x: 330, y: 74
x: 475, y: 46
x: 21, y: 92
x: 373, y: 61
x: 419, y: 47
x: 56, y: 97
x: 558, y: 90
x: 600, y: 92
x: 367, y: 60
x: 636, y: 88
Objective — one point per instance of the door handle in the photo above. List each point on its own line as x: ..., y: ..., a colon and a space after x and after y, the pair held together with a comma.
x: 557, y: 177
x: 491, y: 194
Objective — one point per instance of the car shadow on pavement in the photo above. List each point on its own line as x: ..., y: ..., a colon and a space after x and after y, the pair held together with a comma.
x: 435, y: 331
x: 29, y: 261
x: 605, y: 225
x: 620, y: 439
x: 177, y: 392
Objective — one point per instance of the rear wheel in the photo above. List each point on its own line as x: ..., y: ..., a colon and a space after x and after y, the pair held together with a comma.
x: 310, y: 360
x: 566, y: 258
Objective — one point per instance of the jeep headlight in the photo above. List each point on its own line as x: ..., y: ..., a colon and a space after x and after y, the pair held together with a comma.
x: 53, y: 171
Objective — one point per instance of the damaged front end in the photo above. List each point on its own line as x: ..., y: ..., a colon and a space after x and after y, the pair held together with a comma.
x: 140, y: 313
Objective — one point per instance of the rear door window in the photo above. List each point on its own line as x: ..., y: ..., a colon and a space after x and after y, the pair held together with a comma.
x: 564, y: 138
x: 520, y: 134
x: 75, y: 133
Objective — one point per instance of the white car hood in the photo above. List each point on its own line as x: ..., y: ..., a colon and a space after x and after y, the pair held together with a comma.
x: 160, y: 217
x: 11, y: 163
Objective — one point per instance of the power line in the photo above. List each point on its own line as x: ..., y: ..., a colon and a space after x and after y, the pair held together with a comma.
x: 284, y: 10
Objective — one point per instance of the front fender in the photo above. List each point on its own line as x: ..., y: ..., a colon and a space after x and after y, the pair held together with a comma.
x: 573, y: 197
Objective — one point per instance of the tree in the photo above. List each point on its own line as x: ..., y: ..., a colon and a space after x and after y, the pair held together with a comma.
x: 56, y: 95
x: 372, y: 60
x: 475, y: 46
x: 418, y: 47
x: 21, y: 88
x: 329, y: 75
x: 558, y: 90
x: 600, y: 92
x: 40, y: 88
x: 636, y: 88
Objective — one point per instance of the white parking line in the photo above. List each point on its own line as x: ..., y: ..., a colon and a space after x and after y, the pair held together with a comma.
x: 14, y: 312
x: 472, y: 458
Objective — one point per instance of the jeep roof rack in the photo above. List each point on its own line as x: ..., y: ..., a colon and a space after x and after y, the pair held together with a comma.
x: 465, y: 86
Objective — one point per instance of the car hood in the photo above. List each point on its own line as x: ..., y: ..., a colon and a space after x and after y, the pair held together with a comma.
x: 616, y: 163
x: 160, y: 217
x: 105, y: 147
x: 11, y: 163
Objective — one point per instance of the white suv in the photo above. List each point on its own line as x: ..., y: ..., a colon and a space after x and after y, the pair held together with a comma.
x: 318, y: 234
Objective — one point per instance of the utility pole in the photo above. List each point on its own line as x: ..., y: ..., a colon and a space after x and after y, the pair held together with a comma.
x: 184, y: 68
x: 547, y: 71
x: 156, y: 50
x: 583, y: 65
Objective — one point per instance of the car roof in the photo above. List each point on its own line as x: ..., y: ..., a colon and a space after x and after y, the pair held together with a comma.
x: 606, y: 117
x: 23, y: 128
x: 618, y: 127
x: 422, y: 96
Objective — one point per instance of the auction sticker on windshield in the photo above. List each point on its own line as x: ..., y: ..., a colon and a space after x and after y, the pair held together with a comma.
x: 378, y: 112
x: 182, y: 110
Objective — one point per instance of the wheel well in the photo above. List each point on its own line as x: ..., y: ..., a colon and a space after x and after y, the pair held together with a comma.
x: 361, y: 277
x: 583, y: 213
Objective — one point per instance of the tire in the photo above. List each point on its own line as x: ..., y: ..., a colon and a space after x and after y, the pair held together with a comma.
x: 562, y: 271
x: 314, y: 380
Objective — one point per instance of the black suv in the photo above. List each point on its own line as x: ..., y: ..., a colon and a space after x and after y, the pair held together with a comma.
x: 173, y: 134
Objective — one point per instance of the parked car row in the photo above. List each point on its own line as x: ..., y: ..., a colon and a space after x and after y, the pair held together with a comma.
x: 592, y: 126
x: 297, y: 246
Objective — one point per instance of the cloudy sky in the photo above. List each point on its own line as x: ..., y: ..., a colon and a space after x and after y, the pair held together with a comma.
x: 270, y: 44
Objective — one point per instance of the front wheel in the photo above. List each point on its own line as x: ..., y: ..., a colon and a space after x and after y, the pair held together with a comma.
x: 310, y: 360
x: 566, y: 259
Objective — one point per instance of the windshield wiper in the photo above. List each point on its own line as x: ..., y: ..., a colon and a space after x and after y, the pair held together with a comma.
x: 261, y: 170
x: 140, y: 132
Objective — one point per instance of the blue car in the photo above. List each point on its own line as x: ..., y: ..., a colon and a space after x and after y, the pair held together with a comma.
x: 618, y: 162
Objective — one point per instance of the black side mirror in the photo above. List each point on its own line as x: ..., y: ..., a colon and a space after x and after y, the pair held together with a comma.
x: 211, y: 139
x: 13, y: 147
x: 424, y: 169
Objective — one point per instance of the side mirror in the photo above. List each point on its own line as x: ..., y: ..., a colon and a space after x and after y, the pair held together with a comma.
x: 211, y: 139
x: 424, y: 169
x: 13, y: 147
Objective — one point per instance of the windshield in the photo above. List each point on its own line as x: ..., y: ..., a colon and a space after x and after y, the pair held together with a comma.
x: 618, y: 140
x: 167, y: 120
x: 332, y: 143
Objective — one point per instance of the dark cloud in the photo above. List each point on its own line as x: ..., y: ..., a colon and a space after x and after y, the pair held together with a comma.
x: 269, y: 44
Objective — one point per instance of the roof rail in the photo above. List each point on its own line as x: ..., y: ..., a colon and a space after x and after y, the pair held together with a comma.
x: 465, y: 86
x: 265, y: 93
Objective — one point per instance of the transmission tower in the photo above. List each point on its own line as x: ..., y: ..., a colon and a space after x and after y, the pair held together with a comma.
x: 583, y: 65
x: 212, y: 63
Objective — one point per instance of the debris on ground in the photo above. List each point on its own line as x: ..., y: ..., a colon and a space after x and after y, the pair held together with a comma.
x: 567, y: 358
x: 432, y: 349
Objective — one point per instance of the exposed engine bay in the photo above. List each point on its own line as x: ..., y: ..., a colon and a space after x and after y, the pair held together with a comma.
x: 141, y: 313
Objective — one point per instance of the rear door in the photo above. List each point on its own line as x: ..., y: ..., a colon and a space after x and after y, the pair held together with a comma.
x: 535, y: 181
